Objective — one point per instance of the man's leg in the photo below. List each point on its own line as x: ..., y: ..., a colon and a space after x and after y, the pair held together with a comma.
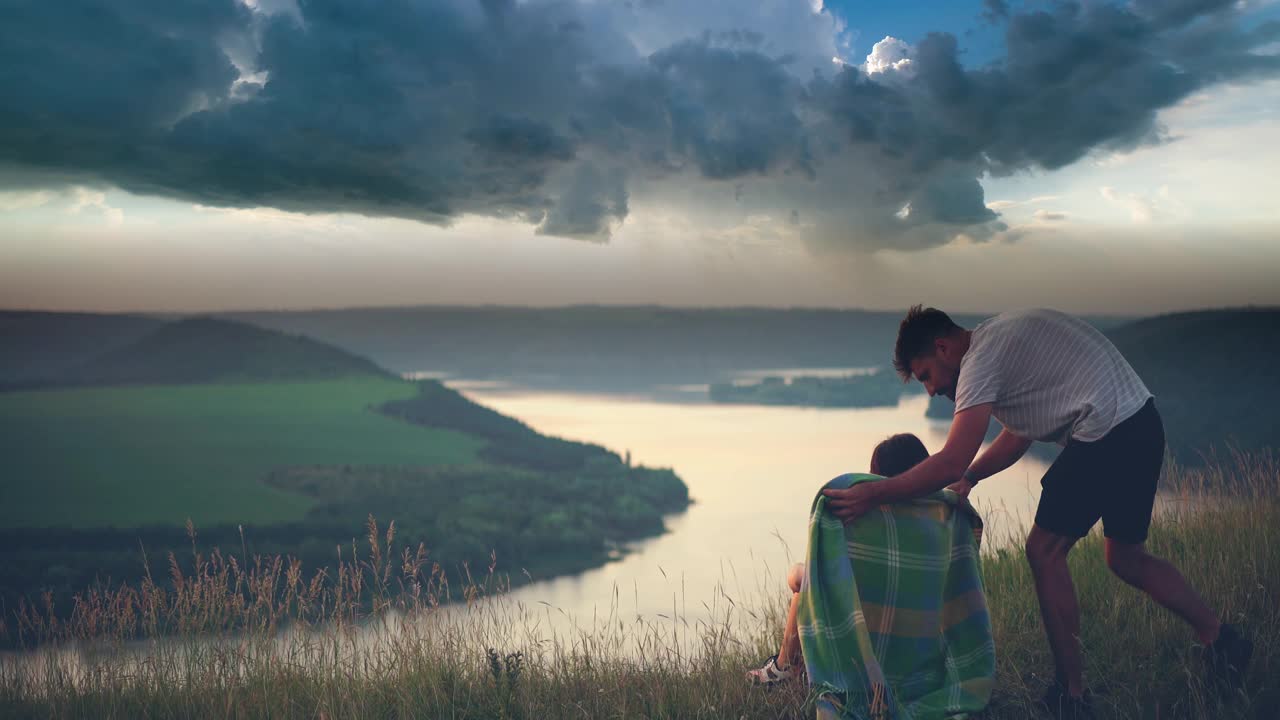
x: 1047, y: 554
x: 1162, y: 581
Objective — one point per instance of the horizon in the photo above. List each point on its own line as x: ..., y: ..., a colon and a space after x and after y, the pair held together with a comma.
x: 608, y: 306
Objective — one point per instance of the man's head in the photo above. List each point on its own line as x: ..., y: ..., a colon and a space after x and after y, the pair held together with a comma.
x: 897, y: 454
x: 929, y: 348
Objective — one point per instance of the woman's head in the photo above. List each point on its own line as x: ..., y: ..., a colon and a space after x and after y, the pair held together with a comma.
x: 897, y: 454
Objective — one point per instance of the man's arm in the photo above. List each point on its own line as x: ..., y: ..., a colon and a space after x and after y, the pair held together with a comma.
x: 1005, y: 451
x: 968, y: 429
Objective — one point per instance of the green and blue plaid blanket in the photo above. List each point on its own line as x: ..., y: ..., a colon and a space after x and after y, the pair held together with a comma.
x: 893, y: 619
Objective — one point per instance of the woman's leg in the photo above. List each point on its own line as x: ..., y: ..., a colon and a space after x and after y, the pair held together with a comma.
x: 790, y: 652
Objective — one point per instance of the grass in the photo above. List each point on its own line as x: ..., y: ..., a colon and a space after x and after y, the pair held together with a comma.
x: 309, y: 650
x: 128, y: 456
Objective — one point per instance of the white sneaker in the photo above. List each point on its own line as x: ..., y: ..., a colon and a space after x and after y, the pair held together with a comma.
x: 770, y: 674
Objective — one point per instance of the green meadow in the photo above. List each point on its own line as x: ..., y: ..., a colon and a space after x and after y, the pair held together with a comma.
x: 129, y: 456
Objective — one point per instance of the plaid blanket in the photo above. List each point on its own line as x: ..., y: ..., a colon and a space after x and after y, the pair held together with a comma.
x: 893, y: 620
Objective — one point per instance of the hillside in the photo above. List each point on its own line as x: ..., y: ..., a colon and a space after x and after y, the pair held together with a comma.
x: 1214, y: 376
x: 205, y: 350
x: 278, y: 444
x: 36, y: 348
x: 100, y: 479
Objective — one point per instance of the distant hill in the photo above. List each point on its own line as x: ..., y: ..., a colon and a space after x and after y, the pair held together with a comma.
x: 194, y: 350
x: 206, y: 349
x: 1214, y: 375
x: 38, y: 347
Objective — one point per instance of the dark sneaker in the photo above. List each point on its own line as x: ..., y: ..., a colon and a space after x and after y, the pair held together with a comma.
x: 770, y: 674
x: 1227, y: 659
x: 1062, y: 706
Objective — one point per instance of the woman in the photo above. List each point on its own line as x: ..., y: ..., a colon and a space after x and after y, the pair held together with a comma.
x: 894, y: 455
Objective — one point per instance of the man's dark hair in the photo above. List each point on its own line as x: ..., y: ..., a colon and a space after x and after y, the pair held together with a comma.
x: 897, y: 454
x: 916, y: 334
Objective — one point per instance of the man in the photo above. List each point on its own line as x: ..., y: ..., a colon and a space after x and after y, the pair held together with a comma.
x: 1052, y: 377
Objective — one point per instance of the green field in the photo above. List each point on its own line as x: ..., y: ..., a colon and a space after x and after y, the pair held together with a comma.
x: 127, y: 456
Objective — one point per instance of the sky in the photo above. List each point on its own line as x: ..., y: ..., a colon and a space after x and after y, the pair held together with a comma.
x: 1097, y: 157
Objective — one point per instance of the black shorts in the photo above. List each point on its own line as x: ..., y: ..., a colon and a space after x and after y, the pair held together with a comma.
x: 1113, y: 478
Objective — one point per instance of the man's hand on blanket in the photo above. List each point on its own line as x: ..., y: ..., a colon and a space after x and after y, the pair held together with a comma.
x: 961, y: 488
x: 853, y: 502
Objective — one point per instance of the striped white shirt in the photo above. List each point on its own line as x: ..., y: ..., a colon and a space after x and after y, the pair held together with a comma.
x: 1052, y: 377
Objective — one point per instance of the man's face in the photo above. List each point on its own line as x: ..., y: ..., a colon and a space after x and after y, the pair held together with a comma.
x: 936, y: 373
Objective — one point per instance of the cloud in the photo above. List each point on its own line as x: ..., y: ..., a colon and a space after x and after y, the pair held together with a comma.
x: 1000, y: 205
x: 1144, y: 208
x: 1048, y: 215
x: 85, y: 201
x: 888, y: 55
x: 81, y: 201
x: 11, y: 201
x: 559, y: 114
x: 594, y: 201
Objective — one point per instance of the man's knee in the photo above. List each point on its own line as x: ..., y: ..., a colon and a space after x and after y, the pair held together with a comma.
x: 1045, y: 548
x: 1126, y: 561
x: 795, y: 576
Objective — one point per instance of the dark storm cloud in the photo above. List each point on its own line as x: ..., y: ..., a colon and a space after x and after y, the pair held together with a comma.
x: 1074, y: 79
x: 546, y: 112
x: 591, y: 200
x: 731, y: 112
x: 84, y: 82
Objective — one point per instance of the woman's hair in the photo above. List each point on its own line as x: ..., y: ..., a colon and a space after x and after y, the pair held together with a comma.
x: 897, y: 454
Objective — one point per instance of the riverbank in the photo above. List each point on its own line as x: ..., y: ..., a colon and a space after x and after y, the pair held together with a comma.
x: 426, y: 663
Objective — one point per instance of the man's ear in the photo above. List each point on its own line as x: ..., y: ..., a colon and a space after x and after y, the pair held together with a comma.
x: 941, y: 346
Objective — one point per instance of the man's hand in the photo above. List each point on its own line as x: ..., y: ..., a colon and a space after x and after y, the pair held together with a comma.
x: 851, y: 503
x: 961, y: 488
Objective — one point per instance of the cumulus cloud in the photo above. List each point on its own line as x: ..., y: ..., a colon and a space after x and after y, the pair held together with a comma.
x: 560, y: 114
x: 888, y: 55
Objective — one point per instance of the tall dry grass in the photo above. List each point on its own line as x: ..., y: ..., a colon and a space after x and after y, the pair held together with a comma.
x: 240, y: 637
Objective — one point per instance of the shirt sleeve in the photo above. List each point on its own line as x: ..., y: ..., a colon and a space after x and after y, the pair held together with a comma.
x: 979, y: 380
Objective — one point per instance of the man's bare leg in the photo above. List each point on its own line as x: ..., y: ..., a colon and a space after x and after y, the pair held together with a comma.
x: 1162, y: 581
x: 1047, y: 554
